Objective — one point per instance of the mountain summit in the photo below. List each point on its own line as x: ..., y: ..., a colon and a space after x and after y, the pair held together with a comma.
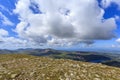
x: 26, y: 67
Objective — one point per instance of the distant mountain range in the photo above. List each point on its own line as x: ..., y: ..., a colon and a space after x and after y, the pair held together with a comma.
x: 111, y: 59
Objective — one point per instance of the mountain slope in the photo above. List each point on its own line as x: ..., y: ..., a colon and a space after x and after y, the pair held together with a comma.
x: 111, y: 59
x: 26, y: 67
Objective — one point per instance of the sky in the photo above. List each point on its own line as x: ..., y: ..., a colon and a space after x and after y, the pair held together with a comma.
x: 59, y: 24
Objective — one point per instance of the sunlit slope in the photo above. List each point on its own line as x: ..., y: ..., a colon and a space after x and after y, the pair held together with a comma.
x: 26, y: 67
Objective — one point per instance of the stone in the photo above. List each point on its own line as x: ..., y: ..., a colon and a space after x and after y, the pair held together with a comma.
x: 14, y: 75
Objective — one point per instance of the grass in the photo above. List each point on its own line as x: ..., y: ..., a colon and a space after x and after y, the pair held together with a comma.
x: 23, y: 66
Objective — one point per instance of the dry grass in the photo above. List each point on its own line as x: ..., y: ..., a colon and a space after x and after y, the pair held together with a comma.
x: 26, y: 67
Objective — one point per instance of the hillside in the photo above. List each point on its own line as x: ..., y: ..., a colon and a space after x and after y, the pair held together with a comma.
x: 111, y: 59
x: 26, y: 67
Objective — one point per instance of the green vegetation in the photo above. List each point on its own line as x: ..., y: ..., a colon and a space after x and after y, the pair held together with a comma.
x: 26, y: 67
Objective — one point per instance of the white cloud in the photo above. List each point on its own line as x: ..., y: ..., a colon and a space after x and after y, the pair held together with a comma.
x: 3, y: 32
x: 107, y: 3
x: 5, y: 20
x: 118, y: 40
x: 3, y: 8
x: 63, y: 22
x: 14, y: 43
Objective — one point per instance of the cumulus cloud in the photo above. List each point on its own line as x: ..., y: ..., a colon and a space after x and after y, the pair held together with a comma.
x: 118, y: 40
x: 63, y: 22
x: 14, y: 43
x: 11, y: 42
x: 3, y: 32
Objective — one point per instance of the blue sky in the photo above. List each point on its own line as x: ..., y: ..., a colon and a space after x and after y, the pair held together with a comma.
x: 9, y: 6
x: 26, y: 23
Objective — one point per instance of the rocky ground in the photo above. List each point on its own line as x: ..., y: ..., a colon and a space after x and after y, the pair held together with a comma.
x: 26, y: 67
